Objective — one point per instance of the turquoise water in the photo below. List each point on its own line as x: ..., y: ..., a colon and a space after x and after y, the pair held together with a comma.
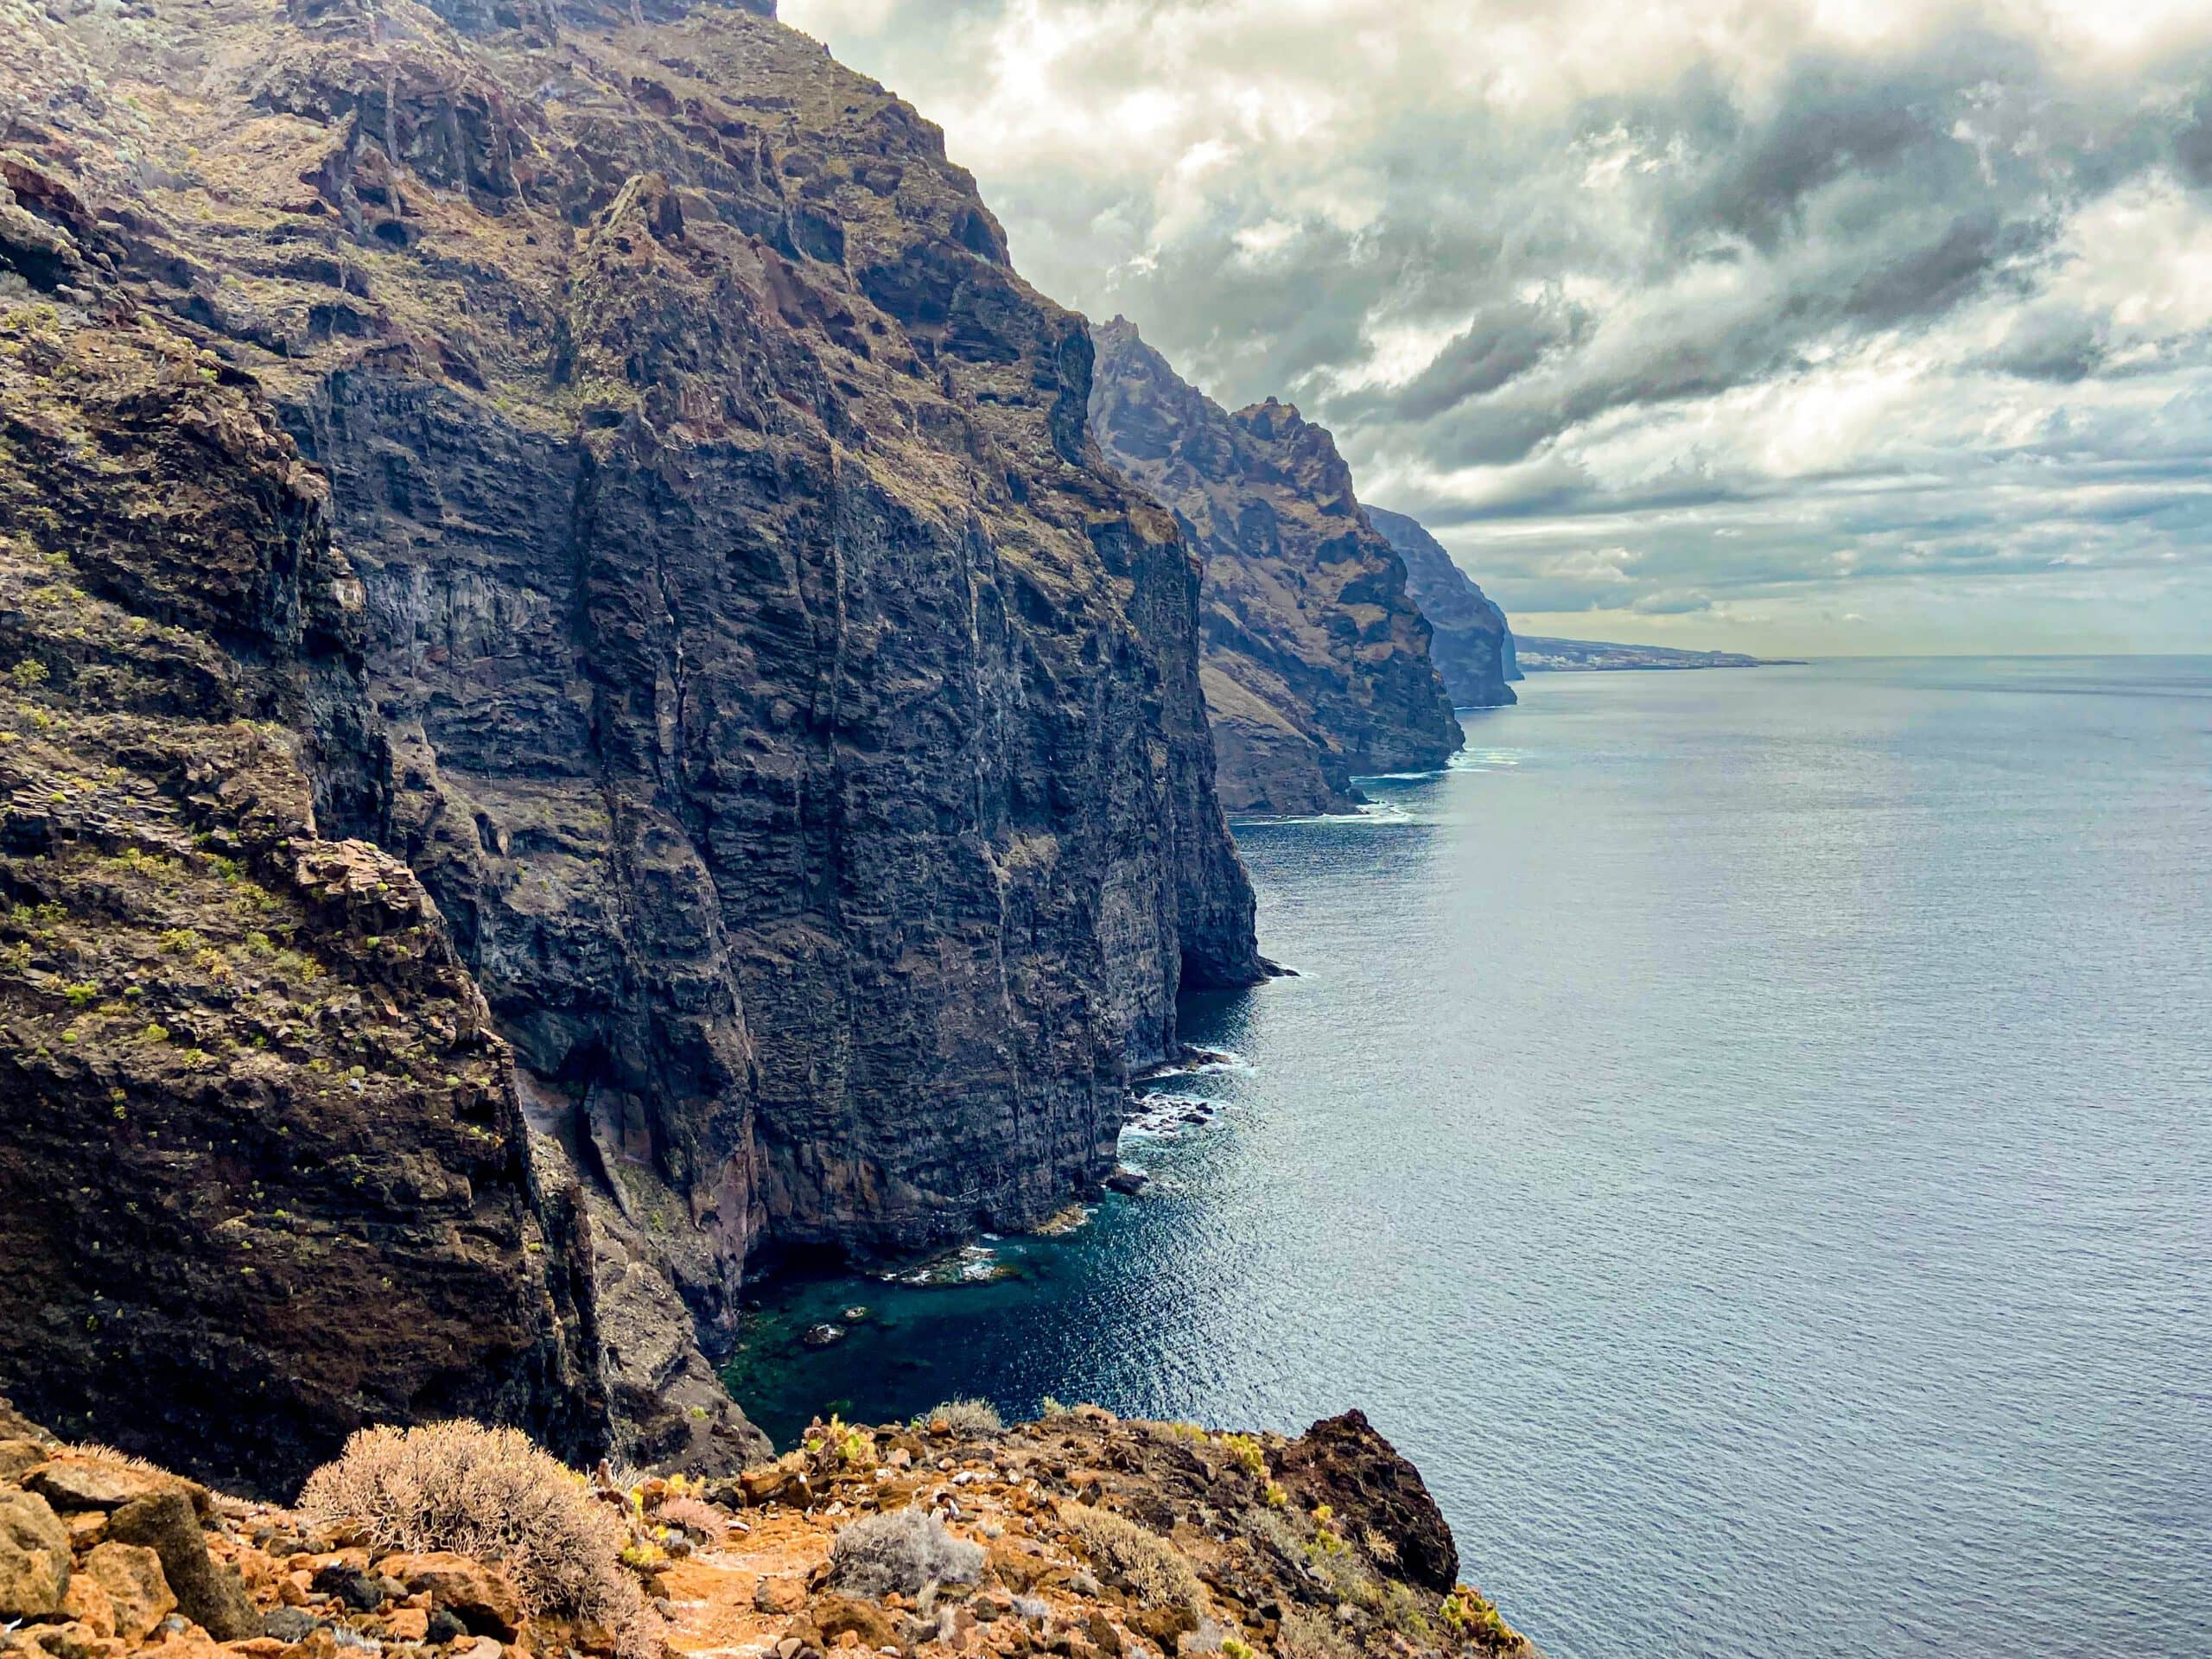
x: 1746, y: 1135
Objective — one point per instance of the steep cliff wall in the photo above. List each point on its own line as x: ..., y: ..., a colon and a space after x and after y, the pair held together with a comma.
x: 263, y: 1172
x: 1469, y: 641
x: 1316, y: 662
x: 795, y: 724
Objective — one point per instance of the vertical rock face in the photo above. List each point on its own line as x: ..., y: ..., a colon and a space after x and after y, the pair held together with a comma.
x: 1470, y: 642
x: 1316, y: 662
x: 262, y: 1172
x: 795, y: 724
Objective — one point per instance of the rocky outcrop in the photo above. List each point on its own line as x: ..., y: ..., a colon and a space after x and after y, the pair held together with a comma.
x: 1082, y: 1535
x: 740, y: 664
x: 1469, y: 640
x: 1316, y: 664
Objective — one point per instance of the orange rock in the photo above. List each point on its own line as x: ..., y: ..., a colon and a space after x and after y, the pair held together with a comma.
x: 137, y: 1590
x: 478, y: 1593
x: 773, y: 1595
x: 87, y: 1603
x: 408, y: 1624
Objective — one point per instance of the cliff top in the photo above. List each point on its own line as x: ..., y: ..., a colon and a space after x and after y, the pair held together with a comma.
x: 1083, y: 1537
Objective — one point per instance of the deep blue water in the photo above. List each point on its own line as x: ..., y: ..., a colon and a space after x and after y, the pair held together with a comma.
x: 1746, y: 1135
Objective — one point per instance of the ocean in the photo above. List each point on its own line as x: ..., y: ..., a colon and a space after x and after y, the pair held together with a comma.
x: 1746, y: 1135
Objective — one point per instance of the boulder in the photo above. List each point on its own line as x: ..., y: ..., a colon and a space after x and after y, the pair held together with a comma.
x: 1345, y: 1463
x: 14, y: 1426
x: 84, y: 1603
x: 212, y: 1597
x: 81, y: 1484
x: 773, y: 1595
x: 33, y: 1556
x: 478, y: 1594
x: 71, y: 1641
x: 831, y: 1615
x: 137, y: 1588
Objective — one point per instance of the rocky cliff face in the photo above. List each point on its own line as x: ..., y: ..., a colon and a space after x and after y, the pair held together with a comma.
x: 262, y: 1162
x: 1470, y: 642
x: 794, y: 726
x: 1316, y: 662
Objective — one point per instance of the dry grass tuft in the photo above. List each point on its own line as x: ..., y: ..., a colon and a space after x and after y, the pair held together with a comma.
x: 1153, y: 1569
x: 1308, y: 1635
x: 489, y: 1493
x: 906, y: 1550
x: 966, y: 1416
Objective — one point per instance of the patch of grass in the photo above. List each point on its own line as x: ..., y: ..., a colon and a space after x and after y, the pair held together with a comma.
x: 1152, y: 1568
x: 965, y: 1416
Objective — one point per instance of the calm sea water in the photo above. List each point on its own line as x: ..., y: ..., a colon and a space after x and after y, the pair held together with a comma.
x: 1747, y: 1136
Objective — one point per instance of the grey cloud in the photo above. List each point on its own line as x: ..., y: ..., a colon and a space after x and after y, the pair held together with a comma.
x: 1604, y: 268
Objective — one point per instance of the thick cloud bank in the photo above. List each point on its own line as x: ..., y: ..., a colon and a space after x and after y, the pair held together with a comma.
x: 1846, y: 326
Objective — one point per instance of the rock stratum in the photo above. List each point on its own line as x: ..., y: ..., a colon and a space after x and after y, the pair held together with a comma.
x: 1082, y: 1536
x: 1317, y: 666
x: 578, y: 708
x: 1469, y: 640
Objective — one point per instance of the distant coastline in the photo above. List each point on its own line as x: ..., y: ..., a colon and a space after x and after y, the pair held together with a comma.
x: 1543, y: 656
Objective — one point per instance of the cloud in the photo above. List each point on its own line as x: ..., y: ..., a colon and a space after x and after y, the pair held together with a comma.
x: 1877, y: 307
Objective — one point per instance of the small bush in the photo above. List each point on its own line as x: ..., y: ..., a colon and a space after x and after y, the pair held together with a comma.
x: 1152, y: 1567
x: 905, y: 1550
x: 966, y: 1416
x: 839, y: 1441
x: 699, y: 1518
x: 1471, y: 1613
x: 1307, y: 1636
x: 1247, y: 1453
x: 486, y: 1492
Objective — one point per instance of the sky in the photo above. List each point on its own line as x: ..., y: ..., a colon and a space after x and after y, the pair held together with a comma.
x: 1839, y: 327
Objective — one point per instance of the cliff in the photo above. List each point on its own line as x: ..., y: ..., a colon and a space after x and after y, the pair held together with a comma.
x: 1083, y: 1537
x: 569, y: 503
x: 1316, y: 666
x: 1576, y: 656
x: 1470, y: 642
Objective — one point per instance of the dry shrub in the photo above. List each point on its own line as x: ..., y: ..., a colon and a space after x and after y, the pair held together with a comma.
x: 1307, y: 1636
x: 1152, y: 1567
x: 966, y: 1416
x: 489, y: 1493
x: 905, y: 1550
x: 696, y: 1516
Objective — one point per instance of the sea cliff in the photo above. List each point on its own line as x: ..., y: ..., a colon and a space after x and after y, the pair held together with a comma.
x: 1317, y: 666
x: 1469, y: 640
x: 582, y: 710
